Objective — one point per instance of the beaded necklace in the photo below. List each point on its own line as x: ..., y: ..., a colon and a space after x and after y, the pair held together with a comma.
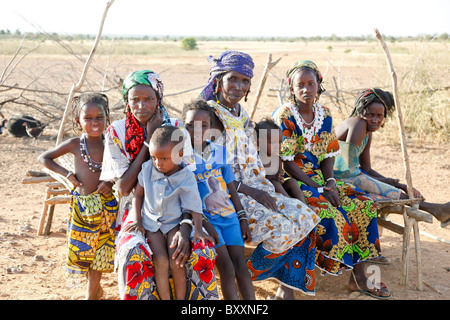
x: 308, y: 133
x: 93, y: 165
x: 231, y: 110
x: 303, y: 120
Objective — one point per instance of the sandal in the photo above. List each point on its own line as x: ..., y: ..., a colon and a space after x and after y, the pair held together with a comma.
x: 381, y: 260
x: 375, y: 292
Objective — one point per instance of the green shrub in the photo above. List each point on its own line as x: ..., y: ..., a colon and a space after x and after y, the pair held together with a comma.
x: 189, y: 43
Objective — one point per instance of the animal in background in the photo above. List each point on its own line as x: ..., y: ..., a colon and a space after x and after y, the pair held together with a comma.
x: 2, y: 125
x: 25, y: 126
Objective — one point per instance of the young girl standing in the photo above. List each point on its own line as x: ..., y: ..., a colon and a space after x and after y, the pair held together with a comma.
x: 93, y: 207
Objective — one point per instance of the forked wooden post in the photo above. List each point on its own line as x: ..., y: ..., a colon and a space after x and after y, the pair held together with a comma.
x: 77, y: 86
x: 409, y: 222
x: 269, y: 65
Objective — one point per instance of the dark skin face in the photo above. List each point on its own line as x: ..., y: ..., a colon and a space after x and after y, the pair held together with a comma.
x: 374, y: 116
x: 197, y: 123
x: 304, y: 87
x: 143, y: 101
x: 164, y: 160
x: 233, y: 87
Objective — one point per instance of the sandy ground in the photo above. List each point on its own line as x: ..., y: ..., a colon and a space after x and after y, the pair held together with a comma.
x: 32, y: 267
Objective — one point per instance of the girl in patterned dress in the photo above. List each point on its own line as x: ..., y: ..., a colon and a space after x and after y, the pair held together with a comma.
x: 353, y: 165
x: 347, y: 235
x: 93, y: 208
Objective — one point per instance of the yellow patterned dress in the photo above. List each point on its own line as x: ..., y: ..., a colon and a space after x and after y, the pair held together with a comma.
x: 347, y: 234
x: 91, y: 233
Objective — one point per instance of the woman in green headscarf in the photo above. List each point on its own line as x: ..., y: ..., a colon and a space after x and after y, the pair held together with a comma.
x: 124, y: 154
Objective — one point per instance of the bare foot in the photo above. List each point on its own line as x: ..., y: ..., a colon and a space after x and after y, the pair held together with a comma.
x: 441, y: 211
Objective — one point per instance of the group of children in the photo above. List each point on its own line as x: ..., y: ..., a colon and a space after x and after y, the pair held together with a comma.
x: 167, y: 189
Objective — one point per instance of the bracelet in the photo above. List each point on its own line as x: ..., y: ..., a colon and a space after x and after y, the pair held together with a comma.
x: 188, y: 221
x: 332, y: 179
x: 69, y: 174
x: 239, y: 185
x: 241, y: 212
x: 242, y: 215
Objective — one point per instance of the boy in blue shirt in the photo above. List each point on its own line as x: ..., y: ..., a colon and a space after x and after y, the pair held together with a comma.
x: 220, y: 201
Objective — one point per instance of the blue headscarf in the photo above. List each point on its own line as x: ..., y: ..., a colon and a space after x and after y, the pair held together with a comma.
x: 227, y: 61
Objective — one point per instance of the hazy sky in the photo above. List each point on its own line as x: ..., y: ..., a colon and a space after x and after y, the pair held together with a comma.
x: 289, y: 18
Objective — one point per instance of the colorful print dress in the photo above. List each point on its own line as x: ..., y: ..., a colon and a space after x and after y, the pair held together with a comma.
x: 347, y: 234
x: 133, y: 259
x: 284, y: 240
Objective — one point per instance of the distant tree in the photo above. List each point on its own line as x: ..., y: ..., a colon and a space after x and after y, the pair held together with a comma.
x: 443, y: 37
x: 189, y: 43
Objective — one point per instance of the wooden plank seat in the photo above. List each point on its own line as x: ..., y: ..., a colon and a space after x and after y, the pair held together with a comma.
x: 57, y: 191
x: 408, y: 208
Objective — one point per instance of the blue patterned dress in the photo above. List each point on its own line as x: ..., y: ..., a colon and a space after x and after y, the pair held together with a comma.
x: 347, y: 234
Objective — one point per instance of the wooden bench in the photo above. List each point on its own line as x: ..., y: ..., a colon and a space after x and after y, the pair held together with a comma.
x: 57, y: 191
x: 408, y: 208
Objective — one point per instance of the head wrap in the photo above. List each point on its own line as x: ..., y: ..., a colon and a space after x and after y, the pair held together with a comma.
x: 134, y: 132
x: 145, y: 77
x: 302, y: 65
x: 368, y: 96
x: 227, y: 61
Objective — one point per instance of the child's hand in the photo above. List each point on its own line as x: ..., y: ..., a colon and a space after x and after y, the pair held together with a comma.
x: 199, y: 234
x: 134, y: 226
x: 104, y: 187
x: 245, y: 231
x: 315, y: 209
x: 72, y: 178
x: 280, y: 176
x: 418, y: 195
x: 155, y: 121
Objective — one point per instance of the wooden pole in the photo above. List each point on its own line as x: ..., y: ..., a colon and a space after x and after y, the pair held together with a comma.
x: 399, y: 113
x: 77, y: 86
x: 409, y: 222
x: 269, y: 65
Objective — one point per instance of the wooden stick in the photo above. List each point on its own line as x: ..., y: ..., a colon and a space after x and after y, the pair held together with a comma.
x: 78, y: 85
x: 399, y: 113
x: 269, y: 65
x: 37, y: 179
x: 411, y: 212
x: 418, y: 255
x: 409, y: 222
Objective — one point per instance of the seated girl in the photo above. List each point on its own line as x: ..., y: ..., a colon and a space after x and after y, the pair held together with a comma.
x: 269, y: 138
x: 353, y: 165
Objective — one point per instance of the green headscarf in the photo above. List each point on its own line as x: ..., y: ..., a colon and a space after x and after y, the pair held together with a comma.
x: 145, y: 77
